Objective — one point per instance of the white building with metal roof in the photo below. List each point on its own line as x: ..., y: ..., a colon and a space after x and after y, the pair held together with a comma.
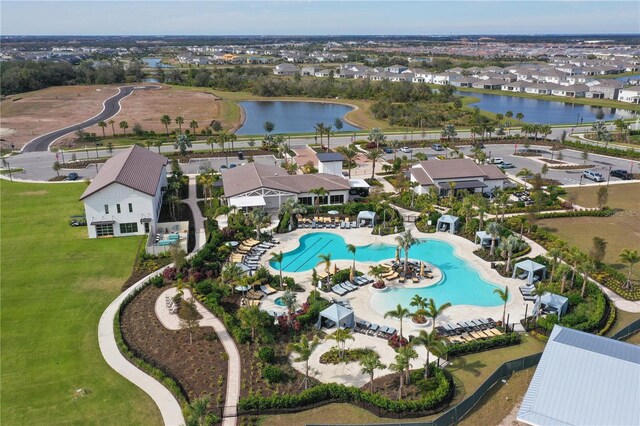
x: 584, y: 379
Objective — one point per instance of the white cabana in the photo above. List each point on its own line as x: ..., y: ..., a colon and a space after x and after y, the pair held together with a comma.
x: 249, y: 201
x: 448, y: 223
x: 366, y: 217
x: 551, y: 303
x: 336, y: 316
x: 532, y: 271
x: 484, y: 239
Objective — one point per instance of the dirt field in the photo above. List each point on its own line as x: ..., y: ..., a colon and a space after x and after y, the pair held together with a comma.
x: 28, y: 115
x: 146, y: 107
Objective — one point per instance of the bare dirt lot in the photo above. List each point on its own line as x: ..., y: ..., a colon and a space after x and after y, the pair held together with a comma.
x: 28, y: 115
x: 148, y: 106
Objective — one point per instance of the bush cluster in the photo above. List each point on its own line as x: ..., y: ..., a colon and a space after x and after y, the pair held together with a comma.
x: 332, y: 356
x: 273, y: 374
x: 500, y: 341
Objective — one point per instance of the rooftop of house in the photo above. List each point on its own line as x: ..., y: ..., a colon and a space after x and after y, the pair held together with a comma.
x: 429, y: 171
x: 137, y: 168
x: 328, y: 157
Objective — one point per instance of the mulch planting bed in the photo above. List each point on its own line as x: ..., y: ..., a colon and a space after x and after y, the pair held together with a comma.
x: 200, y: 368
x: 388, y: 387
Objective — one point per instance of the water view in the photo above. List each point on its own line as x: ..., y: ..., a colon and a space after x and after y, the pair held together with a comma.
x: 291, y: 117
x: 155, y: 62
x: 543, y: 111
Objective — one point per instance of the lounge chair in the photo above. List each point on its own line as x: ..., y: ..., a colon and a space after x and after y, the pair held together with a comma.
x: 391, y: 331
x: 348, y: 285
x: 493, y: 331
x: 387, y: 274
x: 442, y: 331
x: 402, y: 279
x: 382, y: 331
x: 415, y: 279
x: 367, y: 279
x: 254, y: 295
x: 373, y: 328
x: 267, y: 289
x: 254, y: 303
x: 344, y: 287
x: 393, y: 276
x: 456, y: 339
x: 523, y: 275
x: 339, y: 290
x: 362, y: 326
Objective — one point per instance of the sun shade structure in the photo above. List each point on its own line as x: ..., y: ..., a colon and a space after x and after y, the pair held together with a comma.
x: 448, y: 223
x: 249, y: 201
x: 338, y: 315
x: 551, y: 303
x: 485, y: 239
x: 367, y: 216
x: 531, y: 268
x: 583, y: 379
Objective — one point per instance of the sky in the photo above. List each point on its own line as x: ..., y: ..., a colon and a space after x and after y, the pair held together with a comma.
x: 319, y: 17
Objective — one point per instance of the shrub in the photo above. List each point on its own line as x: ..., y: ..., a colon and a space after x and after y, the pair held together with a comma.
x: 343, y: 275
x: 350, y: 355
x: 502, y: 340
x: 157, y: 281
x: 267, y: 354
x: 274, y: 374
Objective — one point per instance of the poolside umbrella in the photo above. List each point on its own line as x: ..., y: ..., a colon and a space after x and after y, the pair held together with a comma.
x: 422, y: 269
x: 352, y: 274
x: 231, y: 243
x: 242, y: 288
x: 335, y: 268
x: 333, y: 212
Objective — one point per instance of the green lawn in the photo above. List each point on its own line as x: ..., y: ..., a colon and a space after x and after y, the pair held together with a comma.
x: 55, y: 285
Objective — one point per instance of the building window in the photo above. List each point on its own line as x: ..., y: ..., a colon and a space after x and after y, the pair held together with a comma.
x: 106, y: 209
x: 118, y: 208
x: 323, y: 200
x: 128, y: 228
x: 307, y: 201
x: 104, y: 230
x: 130, y: 208
x: 337, y: 199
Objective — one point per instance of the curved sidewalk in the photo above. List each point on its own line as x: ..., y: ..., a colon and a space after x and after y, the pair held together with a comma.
x: 166, y: 402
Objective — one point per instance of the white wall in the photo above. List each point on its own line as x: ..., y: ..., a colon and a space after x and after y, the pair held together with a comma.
x: 144, y: 206
x: 330, y: 168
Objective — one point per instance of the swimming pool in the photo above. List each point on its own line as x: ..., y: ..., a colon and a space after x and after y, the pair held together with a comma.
x: 461, y: 283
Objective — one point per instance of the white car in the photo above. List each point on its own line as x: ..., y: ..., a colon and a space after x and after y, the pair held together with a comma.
x: 405, y: 149
x: 594, y: 176
x: 497, y: 160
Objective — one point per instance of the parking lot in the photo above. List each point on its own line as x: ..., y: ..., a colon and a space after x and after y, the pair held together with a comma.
x: 602, y: 164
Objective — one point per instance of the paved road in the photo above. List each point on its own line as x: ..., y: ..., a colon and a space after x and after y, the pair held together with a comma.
x: 110, y: 108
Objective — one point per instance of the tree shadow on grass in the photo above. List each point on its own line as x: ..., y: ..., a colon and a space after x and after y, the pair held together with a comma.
x: 461, y: 364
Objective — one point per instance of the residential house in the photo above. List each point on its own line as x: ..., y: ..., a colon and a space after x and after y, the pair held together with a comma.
x: 629, y: 95
x: 310, y: 71
x: 125, y: 197
x: 396, y: 69
x: 330, y: 163
x: 463, y: 174
x: 572, y: 91
x: 286, y: 69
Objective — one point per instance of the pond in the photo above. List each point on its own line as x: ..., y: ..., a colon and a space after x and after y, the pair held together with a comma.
x: 543, y: 111
x: 291, y: 116
x: 155, y: 62
x: 626, y: 78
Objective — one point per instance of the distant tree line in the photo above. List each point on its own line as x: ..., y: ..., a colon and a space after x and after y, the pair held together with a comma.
x: 25, y: 76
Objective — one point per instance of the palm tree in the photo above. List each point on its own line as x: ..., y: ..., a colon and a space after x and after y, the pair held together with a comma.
x: 398, y: 367
x: 158, y: 144
x: 374, y: 155
x: 326, y: 260
x: 586, y: 267
x: 193, y: 126
x: 493, y: 229
x: 250, y: 317
x: 399, y: 313
x: 352, y: 249
x: 318, y: 192
x: 377, y: 137
x: 630, y: 257
x: 520, y: 116
x: 124, y: 126
x: 377, y: 271
x: 102, y: 125
x: 420, y: 303
x: 181, y: 143
x: 278, y: 257
x: 166, y: 120
x: 524, y: 172
x: 319, y: 128
x: 259, y: 219
x: 328, y: 130
x: 508, y: 246
x: 341, y: 336
x: 290, y: 300
x: 434, y: 311
x: 113, y: 129
x: 504, y: 295
x: 180, y: 122
x: 370, y: 363
x: 349, y: 155
x: 563, y: 270
x: 197, y: 411
x: 449, y: 132
x: 428, y: 340
x: 555, y: 252
x: 268, y: 127
x: 291, y: 207
x: 408, y: 353
x: 304, y: 349
x: 405, y: 241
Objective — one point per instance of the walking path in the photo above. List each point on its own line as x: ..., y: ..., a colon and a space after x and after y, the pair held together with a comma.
x: 234, y: 366
x: 198, y: 219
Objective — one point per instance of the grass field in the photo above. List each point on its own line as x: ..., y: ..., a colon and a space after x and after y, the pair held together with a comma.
x: 55, y: 285
x: 622, y: 230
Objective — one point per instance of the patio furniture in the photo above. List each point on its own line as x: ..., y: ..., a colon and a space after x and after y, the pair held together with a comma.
x: 382, y: 330
x: 373, y: 328
x: 340, y: 291
x: 251, y: 294
x: 393, y: 276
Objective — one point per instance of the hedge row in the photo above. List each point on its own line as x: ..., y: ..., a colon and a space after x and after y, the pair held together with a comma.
x: 576, y: 213
x: 614, y: 152
x: 342, y: 393
x: 500, y: 341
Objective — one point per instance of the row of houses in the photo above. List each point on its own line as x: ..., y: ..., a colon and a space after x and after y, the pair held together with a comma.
x: 539, y: 79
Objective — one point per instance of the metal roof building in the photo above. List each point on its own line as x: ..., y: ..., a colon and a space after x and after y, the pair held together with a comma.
x: 584, y: 379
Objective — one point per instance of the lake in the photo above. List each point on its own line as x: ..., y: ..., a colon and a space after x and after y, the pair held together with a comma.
x: 543, y: 111
x: 291, y: 116
x: 626, y: 78
x: 155, y: 62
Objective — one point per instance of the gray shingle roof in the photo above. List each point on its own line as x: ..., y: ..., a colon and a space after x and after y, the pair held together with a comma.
x: 455, y: 169
x: 583, y: 379
x: 326, y: 157
x: 136, y: 168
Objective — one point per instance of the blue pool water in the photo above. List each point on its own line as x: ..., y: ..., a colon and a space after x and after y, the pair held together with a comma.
x: 461, y: 284
x: 279, y: 301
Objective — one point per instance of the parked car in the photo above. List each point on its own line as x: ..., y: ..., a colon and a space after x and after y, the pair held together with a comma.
x: 497, y: 160
x: 622, y: 174
x: 437, y: 147
x: 507, y: 166
x: 594, y: 176
x: 387, y: 150
x: 232, y: 166
x: 72, y: 176
x: 405, y: 149
x: 223, y: 167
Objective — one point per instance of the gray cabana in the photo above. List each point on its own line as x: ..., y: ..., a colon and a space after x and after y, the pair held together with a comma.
x: 485, y: 239
x: 551, y: 303
x: 448, y: 222
x: 336, y: 315
x: 530, y: 270
x: 366, y: 217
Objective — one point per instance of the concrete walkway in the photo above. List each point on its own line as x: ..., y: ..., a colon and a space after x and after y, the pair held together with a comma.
x: 198, y: 219
x: 167, y: 404
x: 234, y: 366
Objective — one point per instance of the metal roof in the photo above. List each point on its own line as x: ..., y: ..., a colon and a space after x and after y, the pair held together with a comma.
x: 327, y: 157
x: 137, y: 168
x: 463, y: 184
x: 584, y: 379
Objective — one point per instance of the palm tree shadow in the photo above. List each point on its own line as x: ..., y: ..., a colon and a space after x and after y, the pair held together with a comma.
x: 461, y: 364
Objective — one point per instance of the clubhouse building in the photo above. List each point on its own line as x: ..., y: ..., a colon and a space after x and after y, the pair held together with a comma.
x: 461, y: 174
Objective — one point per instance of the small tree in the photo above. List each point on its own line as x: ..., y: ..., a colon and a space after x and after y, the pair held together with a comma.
x: 370, y: 363
x: 124, y: 126
x: 57, y: 167
x: 603, y: 196
x: 304, y: 349
x: 251, y: 317
x: 341, y: 336
x: 182, y: 143
x: 189, y: 317
x: 290, y: 300
x: 278, y: 257
x: 630, y: 257
x: 399, y: 313
x: 599, y: 249
x: 504, y: 295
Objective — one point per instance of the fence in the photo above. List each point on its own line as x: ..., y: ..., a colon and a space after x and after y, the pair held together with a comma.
x: 627, y: 331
